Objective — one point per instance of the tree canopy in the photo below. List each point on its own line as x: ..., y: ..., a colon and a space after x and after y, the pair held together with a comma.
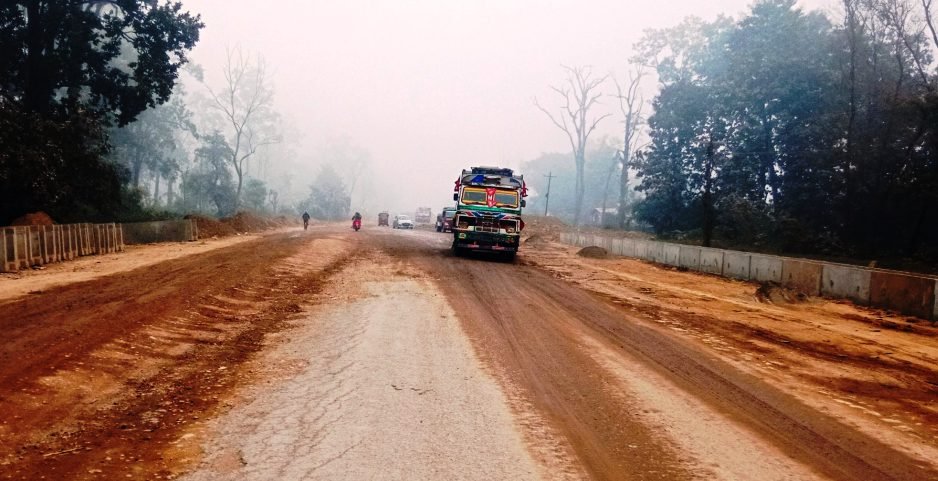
x: 785, y: 130
x: 68, y: 71
x: 112, y: 58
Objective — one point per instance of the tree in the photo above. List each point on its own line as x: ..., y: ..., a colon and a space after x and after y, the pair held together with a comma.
x: 578, y: 97
x: 209, y: 181
x: 600, y: 159
x: 255, y: 194
x: 631, y: 104
x: 67, y: 71
x: 761, y: 121
x: 246, y: 103
x: 153, y: 141
x: 64, y: 56
x: 689, y: 122
x: 329, y: 198
x: 55, y: 167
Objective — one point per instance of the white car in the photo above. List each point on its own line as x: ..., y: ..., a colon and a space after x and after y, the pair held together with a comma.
x: 403, y: 222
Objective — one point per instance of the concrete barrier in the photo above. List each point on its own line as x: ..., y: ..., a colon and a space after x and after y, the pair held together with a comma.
x: 22, y: 247
x: 162, y: 231
x: 846, y: 282
x: 615, y: 247
x: 711, y: 261
x: 737, y: 265
x: 804, y: 276
x: 903, y: 292
x: 672, y: 254
x: 764, y: 268
x: 628, y: 247
x: 654, y: 252
x: 640, y: 249
x: 690, y: 257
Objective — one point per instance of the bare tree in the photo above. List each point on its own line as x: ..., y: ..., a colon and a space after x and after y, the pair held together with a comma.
x: 579, y: 95
x: 926, y: 6
x: 246, y: 103
x: 899, y: 15
x: 631, y: 103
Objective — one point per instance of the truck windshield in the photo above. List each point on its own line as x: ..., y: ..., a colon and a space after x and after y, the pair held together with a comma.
x: 478, y: 197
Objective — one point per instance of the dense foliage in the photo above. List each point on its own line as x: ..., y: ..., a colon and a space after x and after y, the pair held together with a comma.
x: 68, y: 71
x: 783, y: 130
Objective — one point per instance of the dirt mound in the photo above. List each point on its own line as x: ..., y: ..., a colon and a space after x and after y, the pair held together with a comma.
x: 544, y: 228
x: 534, y: 240
x: 238, y: 223
x: 209, y: 227
x: 249, y: 222
x: 772, y: 293
x: 34, y: 218
x: 593, y: 252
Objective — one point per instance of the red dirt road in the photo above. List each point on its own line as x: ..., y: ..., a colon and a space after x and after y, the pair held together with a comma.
x: 103, y: 376
x: 610, y: 369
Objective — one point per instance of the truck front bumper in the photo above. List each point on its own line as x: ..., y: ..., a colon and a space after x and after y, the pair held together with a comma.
x: 485, y: 241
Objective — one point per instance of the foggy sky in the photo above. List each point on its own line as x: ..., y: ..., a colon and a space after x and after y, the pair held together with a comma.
x: 432, y: 86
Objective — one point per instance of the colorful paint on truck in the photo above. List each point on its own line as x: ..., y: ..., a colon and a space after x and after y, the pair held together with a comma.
x: 488, y: 211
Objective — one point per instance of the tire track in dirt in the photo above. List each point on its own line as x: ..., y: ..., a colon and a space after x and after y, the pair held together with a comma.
x: 528, y: 323
x: 381, y: 384
x: 105, y: 376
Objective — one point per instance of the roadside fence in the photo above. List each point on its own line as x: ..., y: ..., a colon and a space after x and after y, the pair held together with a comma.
x: 23, y: 247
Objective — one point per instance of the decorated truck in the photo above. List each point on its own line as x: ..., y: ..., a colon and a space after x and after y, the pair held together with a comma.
x: 488, y: 211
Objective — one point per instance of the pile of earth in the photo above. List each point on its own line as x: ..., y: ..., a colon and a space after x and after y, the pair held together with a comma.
x: 210, y: 227
x: 540, y: 228
x: 34, y: 218
x: 242, y: 222
x: 593, y: 252
x: 773, y: 293
x: 250, y: 222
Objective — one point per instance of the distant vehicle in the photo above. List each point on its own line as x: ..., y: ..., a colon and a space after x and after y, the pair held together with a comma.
x: 444, y: 220
x: 423, y: 216
x: 383, y: 219
x: 403, y: 222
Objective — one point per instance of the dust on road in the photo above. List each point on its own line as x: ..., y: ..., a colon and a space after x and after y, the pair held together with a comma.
x: 338, y: 355
x: 541, y: 332
x: 383, y: 385
x: 101, y: 379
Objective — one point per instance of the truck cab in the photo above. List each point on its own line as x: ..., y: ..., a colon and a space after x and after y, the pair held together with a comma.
x: 444, y: 220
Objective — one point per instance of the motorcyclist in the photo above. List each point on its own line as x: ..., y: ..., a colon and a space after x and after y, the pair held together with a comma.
x: 356, y: 221
x: 305, y: 220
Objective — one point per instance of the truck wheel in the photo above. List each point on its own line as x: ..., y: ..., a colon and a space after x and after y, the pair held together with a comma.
x: 508, y: 256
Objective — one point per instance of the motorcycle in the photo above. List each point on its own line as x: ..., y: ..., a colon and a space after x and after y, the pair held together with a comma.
x: 357, y: 224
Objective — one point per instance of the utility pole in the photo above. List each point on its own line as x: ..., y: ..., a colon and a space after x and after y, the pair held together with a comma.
x: 550, y: 176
